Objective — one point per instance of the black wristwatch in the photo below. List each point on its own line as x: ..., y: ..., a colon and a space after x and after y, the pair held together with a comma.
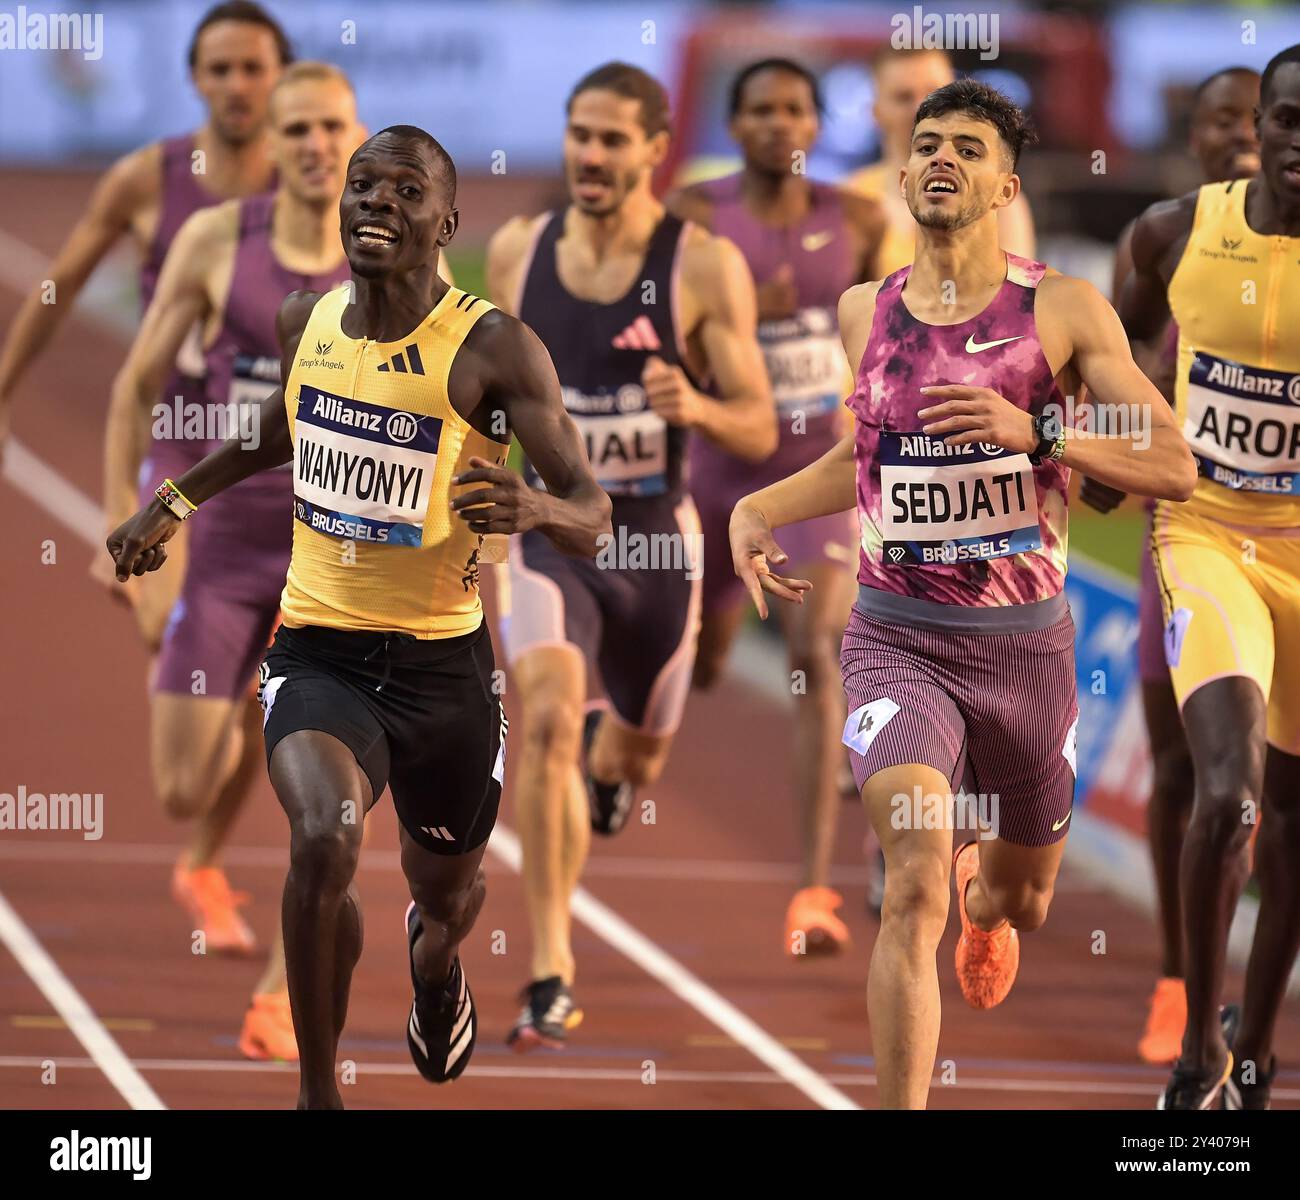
x: 1051, y: 438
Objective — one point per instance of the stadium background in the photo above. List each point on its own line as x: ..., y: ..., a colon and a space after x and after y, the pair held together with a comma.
x: 489, y: 79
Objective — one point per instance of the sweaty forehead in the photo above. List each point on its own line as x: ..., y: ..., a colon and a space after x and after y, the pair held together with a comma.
x: 958, y: 126
x: 395, y: 155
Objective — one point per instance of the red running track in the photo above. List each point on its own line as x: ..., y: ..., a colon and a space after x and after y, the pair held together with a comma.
x: 705, y: 1013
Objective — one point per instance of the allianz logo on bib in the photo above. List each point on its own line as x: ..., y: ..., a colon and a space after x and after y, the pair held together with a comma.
x: 1278, y: 385
x: 363, y: 471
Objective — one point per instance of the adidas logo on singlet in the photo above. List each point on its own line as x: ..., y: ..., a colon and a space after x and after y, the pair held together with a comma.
x: 398, y: 362
x: 640, y: 335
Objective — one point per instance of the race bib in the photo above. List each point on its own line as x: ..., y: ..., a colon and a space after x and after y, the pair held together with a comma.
x: 362, y: 471
x: 947, y: 504
x: 1243, y: 425
x: 252, y: 379
x: 627, y: 442
x: 805, y: 361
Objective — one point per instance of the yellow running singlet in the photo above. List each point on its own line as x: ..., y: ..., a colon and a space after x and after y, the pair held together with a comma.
x: 1228, y: 560
x: 376, y: 442
x: 1235, y: 296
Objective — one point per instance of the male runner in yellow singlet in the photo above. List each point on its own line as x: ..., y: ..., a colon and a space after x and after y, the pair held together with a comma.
x: 227, y: 272
x: 1223, y: 141
x: 1225, y: 262
x: 398, y: 393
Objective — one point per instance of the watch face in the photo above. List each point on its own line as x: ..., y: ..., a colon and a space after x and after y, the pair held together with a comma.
x: 1050, y: 427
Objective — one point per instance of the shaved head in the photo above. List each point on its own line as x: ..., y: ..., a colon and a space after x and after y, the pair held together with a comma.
x: 418, y: 145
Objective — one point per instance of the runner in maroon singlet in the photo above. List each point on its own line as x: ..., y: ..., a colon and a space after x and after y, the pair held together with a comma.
x: 805, y: 242
x: 235, y: 58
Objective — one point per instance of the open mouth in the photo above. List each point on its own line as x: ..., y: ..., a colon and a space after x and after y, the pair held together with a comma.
x: 374, y: 235
x: 940, y: 185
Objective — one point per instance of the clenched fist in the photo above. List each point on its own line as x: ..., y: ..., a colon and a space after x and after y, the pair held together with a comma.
x: 670, y: 393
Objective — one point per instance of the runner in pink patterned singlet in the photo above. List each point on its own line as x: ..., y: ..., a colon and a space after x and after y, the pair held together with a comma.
x: 958, y: 660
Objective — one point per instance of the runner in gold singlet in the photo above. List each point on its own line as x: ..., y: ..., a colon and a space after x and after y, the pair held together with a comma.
x: 1225, y: 262
x: 393, y: 406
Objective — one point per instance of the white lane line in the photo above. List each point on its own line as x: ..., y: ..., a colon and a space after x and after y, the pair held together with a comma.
x: 617, y: 1075
x: 44, y: 486
x: 104, y: 1051
x: 606, y: 924
x: 23, y: 266
x: 58, y: 494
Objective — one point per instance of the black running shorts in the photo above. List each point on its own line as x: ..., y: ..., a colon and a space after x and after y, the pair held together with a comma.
x: 420, y: 716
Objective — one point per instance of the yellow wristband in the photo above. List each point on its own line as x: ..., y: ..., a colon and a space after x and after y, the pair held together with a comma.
x: 175, y: 500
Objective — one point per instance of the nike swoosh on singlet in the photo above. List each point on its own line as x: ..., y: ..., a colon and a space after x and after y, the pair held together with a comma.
x: 815, y: 241
x: 974, y: 347
x: 1057, y: 826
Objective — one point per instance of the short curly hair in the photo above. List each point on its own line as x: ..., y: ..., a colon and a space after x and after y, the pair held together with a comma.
x: 984, y: 103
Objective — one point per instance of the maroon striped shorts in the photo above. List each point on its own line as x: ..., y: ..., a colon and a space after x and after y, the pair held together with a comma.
x: 994, y: 712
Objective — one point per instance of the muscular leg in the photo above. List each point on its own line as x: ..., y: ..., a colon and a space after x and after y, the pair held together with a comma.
x: 319, y: 785
x: 448, y: 891
x: 812, y: 633
x: 903, y: 983
x: 718, y: 630
x: 621, y: 754
x: 195, y: 749
x: 550, y: 800
x: 1167, y: 814
x: 1015, y: 883
x: 214, y: 823
x: 1225, y: 729
x: 1277, y: 934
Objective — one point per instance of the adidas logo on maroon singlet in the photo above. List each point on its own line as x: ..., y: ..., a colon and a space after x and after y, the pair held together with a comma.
x: 640, y: 335
x: 398, y: 362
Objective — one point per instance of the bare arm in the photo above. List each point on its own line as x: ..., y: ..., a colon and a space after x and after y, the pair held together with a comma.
x: 866, y: 218
x: 1143, y: 301
x: 182, y: 298
x: 1145, y: 455
x: 505, y: 253
x: 743, y: 420
x: 139, y: 545
x: 123, y: 190
x: 509, y: 363
x: 1154, y: 460
x: 826, y: 486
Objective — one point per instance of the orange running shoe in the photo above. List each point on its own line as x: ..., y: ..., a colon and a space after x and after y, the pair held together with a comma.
x: 1162, y: 1039
x: 811, y: 926
x: 205, y: 894
x: 268, y: 1029
x: 986, y: 962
